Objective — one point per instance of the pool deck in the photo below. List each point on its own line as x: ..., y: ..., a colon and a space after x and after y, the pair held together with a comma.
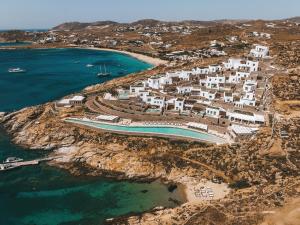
x: 225, y: 139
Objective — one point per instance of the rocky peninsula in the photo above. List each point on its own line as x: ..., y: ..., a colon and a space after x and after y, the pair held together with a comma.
x: 252, y: 180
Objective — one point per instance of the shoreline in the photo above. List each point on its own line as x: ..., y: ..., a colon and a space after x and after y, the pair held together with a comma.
x: 186, y: 188
x: 148, y: 59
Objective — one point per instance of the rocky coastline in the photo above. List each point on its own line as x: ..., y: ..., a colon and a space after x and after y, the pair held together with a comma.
x: 253, y: 177
x: 86, y: 152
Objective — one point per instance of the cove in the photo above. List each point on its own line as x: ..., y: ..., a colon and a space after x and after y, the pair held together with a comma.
x: 44, y: 195
x: 54, y: 73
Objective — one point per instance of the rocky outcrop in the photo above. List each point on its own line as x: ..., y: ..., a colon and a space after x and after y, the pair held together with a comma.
x: 250, y: 167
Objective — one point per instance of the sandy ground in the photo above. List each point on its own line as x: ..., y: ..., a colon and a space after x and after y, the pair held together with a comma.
x: 196, y: 192
x: 147, y: 59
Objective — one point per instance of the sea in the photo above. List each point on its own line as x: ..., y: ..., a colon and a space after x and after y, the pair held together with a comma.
x: 26, y: 30
x: 44, y: 195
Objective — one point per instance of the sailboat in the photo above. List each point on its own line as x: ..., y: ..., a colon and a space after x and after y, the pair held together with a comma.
x: 103, y: 74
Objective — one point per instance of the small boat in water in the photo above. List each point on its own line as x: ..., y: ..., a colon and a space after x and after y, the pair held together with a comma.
x: 103, y: 74
x: 4, y: 167
x: 16, y: 70
x: 12, y: 160
x: 89, y: 65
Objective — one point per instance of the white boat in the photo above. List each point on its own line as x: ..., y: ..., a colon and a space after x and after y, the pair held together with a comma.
x: 16, y: 70
x: 101, y: 74
x: 13, y: 160
x: 4, y: 167
x: 89, y: 65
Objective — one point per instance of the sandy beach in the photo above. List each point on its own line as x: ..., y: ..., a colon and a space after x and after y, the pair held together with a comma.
x: 205, y: 190
x: 147, y: 59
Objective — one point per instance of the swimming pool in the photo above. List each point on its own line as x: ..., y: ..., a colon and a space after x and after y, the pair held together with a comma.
x: 169, y: 131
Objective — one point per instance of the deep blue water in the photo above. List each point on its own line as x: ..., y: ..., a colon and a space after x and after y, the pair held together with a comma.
x: 54, y: 73
x: 44, y: 195
x: 12, y: 44
x: 28, y: 30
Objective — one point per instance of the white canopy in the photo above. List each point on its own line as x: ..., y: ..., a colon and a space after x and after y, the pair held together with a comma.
x: 107, y: 117
x: 197, y: 125
x: 242, y: 130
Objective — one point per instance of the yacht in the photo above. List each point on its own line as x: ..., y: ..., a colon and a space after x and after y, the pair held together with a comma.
x: 4, y: 167
x: 12, y: 160
x: 103, y: 74
x: 16, y: 70
x: 89, y: 65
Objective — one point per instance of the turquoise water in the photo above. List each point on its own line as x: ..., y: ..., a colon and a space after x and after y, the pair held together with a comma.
x: 54, y: 73
x: 11, y: 44
x: 173, y: 131
x: 27, y: 30
x: 43, y: 195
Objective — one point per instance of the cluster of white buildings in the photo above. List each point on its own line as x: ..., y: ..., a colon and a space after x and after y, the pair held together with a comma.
x: 194, y: 55
x: 261, y: 35
x: 231, y: 90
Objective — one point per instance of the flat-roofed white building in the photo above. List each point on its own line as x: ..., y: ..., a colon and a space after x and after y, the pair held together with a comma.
x: 154, y: 101
x: 213, y: 82
x: 253, y: 65
x: 77, y: 100
x: 260, y: 51
x: 178, y: 103
x: 200, y: 70
x: 108, y: 118
x: 247, y: 99
x: 214, y: 68
x: 228, y: 97
x: 63, y: 103
x: 184, y: 89
x: 245, y: 117
x: 210, y: 95
x: 233, y: 63
x: 198, y: 126
x: 214, y: 112
x: 237, y: 63
x: 185, y: 75
x: 239, y: 132
x: 154, y: 82
x: 238, y: 76
x: 136, y: 89
x: 249, y: 86
x: 144, y: 95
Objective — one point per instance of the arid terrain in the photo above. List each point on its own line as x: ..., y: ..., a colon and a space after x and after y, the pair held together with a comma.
x: 256, y: 181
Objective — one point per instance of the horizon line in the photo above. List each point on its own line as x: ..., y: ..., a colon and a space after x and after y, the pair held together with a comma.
x: 160, y: 20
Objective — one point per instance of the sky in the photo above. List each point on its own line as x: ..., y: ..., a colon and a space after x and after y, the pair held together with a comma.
x: 27, y: 14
